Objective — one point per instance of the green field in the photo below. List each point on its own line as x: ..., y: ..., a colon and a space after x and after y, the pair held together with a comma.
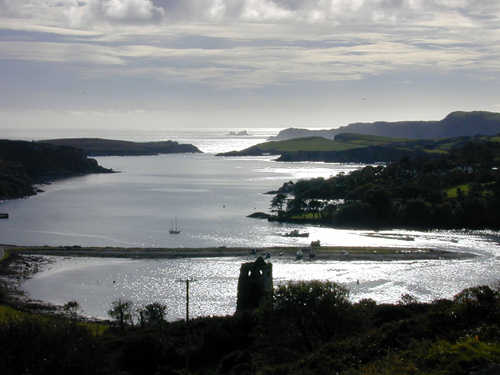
x: 453, y: 192
x: 350, y: 141
x: 342, y: 142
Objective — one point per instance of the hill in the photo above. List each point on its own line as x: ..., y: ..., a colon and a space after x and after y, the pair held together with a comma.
x: 456, y: 124
x: 23, y: 164
x: 111, y: 147
x: 313, y: 144
x: 356, y: 148
x: 459, y: 188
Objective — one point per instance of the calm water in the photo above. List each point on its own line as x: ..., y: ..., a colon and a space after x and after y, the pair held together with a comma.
x: 210, y: 198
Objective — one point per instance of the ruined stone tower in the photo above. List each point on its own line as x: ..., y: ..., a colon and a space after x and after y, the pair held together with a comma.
x: 255, y: 284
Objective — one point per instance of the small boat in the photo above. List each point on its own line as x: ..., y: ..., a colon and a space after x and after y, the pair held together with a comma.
x: 174, y: 229
x: 299, y: 255
x: 4, y: 216
x: 296, y: 233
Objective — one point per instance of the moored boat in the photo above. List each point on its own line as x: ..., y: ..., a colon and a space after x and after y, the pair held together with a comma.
x: 174, y: 229
x: 296, y: 233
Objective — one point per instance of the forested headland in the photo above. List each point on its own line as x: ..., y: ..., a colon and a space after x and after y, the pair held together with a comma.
x: 459, y: 188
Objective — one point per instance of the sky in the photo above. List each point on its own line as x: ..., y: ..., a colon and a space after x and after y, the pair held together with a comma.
x: 155, y: 64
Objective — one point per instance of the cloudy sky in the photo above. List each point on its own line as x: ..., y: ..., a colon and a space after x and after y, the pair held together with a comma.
x: 244, y: 63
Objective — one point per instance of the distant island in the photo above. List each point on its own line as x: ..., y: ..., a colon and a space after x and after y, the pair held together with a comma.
x: 24, y: 164
x: 456, y: 124
x: 111, y: 147
x: 241, y: 133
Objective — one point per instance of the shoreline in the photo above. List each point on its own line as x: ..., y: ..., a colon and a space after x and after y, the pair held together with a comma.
x: 20, y: 263
x: 339, y: 253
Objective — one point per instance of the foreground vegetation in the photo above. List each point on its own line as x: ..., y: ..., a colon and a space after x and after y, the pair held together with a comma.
x: 458, y: 189
x: 311, y: 328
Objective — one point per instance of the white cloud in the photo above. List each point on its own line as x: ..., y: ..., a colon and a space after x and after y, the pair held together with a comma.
x: 343, y: 12
x: 254, y: 43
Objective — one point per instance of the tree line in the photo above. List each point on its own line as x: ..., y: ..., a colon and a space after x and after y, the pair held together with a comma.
x: 458, y: 190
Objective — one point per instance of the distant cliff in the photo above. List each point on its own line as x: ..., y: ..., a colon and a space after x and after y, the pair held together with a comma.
x: 110, y: 147
x: 23, y: 164
x: 456, y: 124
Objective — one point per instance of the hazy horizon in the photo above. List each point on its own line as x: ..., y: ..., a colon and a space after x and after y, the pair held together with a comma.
x: 170, y: 64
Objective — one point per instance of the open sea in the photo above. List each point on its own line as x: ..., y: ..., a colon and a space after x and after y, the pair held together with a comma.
x: 210, y: 197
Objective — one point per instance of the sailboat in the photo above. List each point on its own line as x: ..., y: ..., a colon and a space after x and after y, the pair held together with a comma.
x: 174, y: 229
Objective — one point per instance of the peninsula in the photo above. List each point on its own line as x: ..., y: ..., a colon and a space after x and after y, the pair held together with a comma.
x: 24, y: 164
x: 459, y: 188
x: 358, y: 148
x: 111, y: 147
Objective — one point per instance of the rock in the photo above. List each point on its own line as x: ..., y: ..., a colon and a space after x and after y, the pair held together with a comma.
x: 259, y: 215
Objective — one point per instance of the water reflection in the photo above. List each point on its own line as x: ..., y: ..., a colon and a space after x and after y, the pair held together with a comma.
x: 95, y: 283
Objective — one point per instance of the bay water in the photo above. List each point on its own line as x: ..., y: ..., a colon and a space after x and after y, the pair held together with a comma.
x: 209, y: 197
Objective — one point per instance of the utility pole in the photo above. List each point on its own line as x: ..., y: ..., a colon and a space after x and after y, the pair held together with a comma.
x: 187, y: 300
x: 188, y: 333
x: 187, y: 281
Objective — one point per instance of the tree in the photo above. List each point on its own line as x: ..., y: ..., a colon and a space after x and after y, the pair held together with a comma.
x: 318, y: 309
x: 315, y: 206
x: 153, y: 314
x: 121, y: 311
x: 71, y: 308
x: 278, y: 202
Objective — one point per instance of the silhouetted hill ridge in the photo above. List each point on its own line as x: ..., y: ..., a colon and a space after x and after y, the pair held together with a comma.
x: 111, y: 147
x: 455, y: 124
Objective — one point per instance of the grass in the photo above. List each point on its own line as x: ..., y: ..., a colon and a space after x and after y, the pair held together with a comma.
x: 438, y: 358
x: 6, y: 255
x: 307, y: 144
x: 306, y: 216
x: 9, y: 315
x: 453, y: 192
x: 350, y: 141
x: 342, y: 142
x: 435, y: 151
x: 485, y: 190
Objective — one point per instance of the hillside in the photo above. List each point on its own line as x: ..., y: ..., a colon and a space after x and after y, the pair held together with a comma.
x: 23, y: 164
x: 110, y: 147
x: 459, y: 188
x: 456, y: 124
x: 343, y: 142
x: 355, y: 148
